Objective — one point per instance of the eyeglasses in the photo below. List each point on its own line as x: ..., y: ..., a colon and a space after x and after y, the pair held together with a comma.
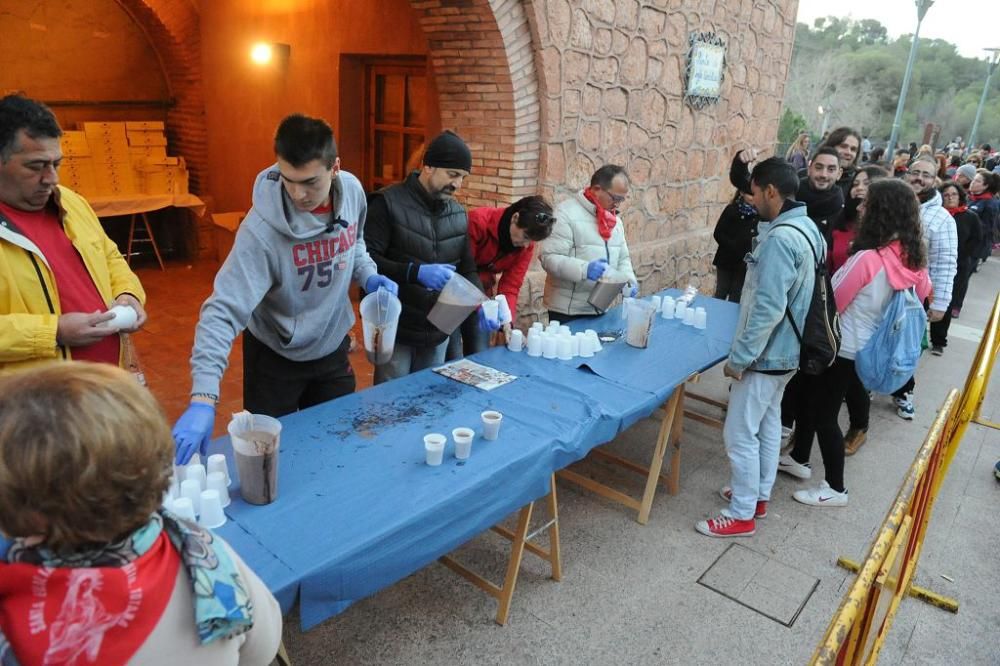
x: 922, y: 175
x: 617, y: 198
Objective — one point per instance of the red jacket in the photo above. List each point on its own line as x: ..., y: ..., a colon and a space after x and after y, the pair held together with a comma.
x: 485, y: 243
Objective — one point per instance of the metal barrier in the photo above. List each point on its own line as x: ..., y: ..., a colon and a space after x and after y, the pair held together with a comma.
x: 859, y: 628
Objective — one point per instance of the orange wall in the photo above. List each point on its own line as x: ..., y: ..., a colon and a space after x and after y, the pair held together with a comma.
x: 244, y: 103
x: 55, y: 50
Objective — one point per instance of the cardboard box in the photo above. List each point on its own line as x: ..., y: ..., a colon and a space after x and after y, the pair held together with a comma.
x: 74, y: 144
x: 144, y: 125
x: 77, y: 173
x: 146, y: 139
x: 147, y: 152
x: 115, y: 179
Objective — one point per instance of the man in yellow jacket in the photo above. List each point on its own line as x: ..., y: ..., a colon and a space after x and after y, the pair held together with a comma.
x: 59, y: 271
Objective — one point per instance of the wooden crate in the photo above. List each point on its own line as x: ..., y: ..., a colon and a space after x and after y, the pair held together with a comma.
x: 77, y: 173
x: 144, y: 125
x: 74, y: 144
x: 146, y: 139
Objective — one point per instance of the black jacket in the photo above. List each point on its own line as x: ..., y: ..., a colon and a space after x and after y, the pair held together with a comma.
x: 734, y: 233
x: 970, y: 236
x: 406, y: 228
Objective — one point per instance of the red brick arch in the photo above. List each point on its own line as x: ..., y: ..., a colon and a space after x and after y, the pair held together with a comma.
x: 482, y: 58
x: 172, y: 27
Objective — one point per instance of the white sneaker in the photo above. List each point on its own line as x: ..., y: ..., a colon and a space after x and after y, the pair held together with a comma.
x: 789, y: 465
x: 904, y: 406
x: 822, y: 496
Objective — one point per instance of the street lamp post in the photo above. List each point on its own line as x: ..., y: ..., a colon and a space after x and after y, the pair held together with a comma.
x: 825, y: 114
x: 994, y: 60
x: 890, y: 149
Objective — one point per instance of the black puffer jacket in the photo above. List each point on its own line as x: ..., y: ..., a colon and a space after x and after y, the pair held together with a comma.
x: 407, y: 228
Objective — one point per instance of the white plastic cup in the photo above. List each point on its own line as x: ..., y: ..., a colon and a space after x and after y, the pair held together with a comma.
x: 217, y: 463
x: 434, y: 447
x: 553, y: 325
x: 578, y: 339
x: 125, y: 316
x: 688, y: 316
x: 565, y: 348
x: 463, y: 442
x: 212, y: 515
x: 491, y: 424
x: 595, y: 341
x: 679, y: 308
x: 516, y: 342
x: 191, y: 489
x: 183, y: 508
x: 667, y: 307
x: 538, y: 326
x: 535, y: 344
x: 655, y: 300
x: 586, y: 345
x: 505, y: 315
x: 549, y: 345
x: 196, y: 472
x: 491, y: 310
x: 700, y: 318
x: 217, y: 481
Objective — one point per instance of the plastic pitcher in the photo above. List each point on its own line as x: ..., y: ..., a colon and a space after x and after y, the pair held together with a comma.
x: 455, y: 303
x: 256, y: 439
x: 379, y: 319
x: 640, y: 323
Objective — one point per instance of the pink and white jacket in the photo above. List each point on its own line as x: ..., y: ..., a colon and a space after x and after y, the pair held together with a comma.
x: 863, y: 288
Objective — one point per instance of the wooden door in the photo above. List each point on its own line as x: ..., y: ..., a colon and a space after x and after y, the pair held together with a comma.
x: 395, y: 121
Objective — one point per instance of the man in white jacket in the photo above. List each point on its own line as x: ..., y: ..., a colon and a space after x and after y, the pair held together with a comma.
x: 587, y: 240
x: 941, y: 235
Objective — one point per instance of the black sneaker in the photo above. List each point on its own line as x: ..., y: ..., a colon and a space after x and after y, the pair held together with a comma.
x: 937, y: 350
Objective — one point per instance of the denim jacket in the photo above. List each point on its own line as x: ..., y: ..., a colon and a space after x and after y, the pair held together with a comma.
x: 780, y: 273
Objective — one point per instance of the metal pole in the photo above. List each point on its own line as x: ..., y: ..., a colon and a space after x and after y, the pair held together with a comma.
x: 890, y: 149
x: 990, y: 68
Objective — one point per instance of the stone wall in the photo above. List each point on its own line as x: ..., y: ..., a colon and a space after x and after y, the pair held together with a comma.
x: 611, y: 82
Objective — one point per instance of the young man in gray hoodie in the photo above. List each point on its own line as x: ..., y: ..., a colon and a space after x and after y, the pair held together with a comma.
x: 284, y: 285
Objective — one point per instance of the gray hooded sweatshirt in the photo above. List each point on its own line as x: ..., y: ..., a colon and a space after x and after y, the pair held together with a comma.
x: 286, y: 279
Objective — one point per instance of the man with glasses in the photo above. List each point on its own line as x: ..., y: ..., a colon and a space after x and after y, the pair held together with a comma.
x: 59, y: 271
x: 941, y: 236
x: 284, y: 286
x: 588, y: 239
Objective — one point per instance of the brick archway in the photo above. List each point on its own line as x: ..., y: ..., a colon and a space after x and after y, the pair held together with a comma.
x: 482, y: 58
x: 172, y: 27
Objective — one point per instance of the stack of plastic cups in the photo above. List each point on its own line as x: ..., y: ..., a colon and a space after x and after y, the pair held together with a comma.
x: 679, y: 307
x: 217, y: 481
x: 217, y: 463
x: 701, y: 318
x: 668, y: 305
x: 538, y: 326
x: 565, y: 346
x: 516, y: 340
x: 549, y: 345
x: 553, y: 326
x: 535, y: 342
x: 191, y: 489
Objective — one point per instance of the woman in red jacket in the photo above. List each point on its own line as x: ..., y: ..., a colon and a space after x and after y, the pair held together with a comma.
x: 503, y: 243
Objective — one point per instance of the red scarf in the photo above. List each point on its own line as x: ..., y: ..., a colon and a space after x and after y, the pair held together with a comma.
x: 99, y: 615
x: 956, y: 211
x: 980, y: 197
x: 606, y: 219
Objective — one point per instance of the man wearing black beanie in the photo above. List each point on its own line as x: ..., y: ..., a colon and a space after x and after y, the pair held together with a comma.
x: 418, y: 236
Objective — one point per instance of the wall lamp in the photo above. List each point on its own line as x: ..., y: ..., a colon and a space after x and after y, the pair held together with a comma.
x: 263, y: 54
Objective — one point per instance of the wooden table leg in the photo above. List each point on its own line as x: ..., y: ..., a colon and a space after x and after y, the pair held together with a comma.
x: 673, y: 415
x: 514, y: 565
x: 676, y: 431
x: 152, y: 240
x: 131, y: 235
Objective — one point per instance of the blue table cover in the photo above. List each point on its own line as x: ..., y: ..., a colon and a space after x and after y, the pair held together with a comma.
x: 358, y: 509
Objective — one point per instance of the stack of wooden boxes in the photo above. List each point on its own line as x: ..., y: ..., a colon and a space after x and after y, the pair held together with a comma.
x: 107, y: 159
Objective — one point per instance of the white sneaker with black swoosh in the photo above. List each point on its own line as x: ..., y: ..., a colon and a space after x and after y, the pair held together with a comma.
x: 822, y: 496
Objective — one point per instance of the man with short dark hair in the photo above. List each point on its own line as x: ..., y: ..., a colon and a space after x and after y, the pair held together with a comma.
x: 941, y: 236
x: 587, y: 240
x: 418, y: 235
x: 765, y: 351
x: 59, y: 271
x: 284, y: 286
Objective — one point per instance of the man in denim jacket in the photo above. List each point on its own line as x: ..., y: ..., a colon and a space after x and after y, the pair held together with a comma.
x: 765, y: 352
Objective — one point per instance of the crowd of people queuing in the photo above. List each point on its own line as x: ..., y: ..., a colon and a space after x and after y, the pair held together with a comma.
x: 311, y: 233
x: 924, y: 227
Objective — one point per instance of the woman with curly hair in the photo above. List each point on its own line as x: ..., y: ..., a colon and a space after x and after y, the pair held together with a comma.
x: 888, y: 254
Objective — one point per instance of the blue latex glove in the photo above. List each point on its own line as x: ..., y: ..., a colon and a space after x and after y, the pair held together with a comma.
x: 486, y: 324
x: 374, y: 282
x: 596, y: 268
x: 193, y: 430
x: 434, y: 276
x: 635, y: 290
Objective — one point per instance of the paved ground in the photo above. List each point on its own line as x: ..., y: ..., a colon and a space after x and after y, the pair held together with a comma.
x: 631, y: 594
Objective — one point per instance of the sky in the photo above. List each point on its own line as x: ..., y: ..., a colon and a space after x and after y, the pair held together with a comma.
x: 972, y: 25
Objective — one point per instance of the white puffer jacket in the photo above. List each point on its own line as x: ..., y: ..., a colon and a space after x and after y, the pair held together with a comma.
x: 574, y: 243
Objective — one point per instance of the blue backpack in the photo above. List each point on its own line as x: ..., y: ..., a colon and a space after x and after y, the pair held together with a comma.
x: 890, y: 357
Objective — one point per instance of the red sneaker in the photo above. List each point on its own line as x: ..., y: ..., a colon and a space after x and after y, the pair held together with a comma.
x: 724, y: 526
x: 726, y: 493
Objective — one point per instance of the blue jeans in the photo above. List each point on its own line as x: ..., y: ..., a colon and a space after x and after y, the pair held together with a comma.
x: 406, y: 359
x: 753, y: 439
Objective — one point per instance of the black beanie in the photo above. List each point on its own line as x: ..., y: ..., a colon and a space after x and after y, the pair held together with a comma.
x: 448, y: 151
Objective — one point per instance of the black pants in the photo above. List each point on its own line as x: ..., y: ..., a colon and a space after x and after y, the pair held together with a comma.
x: 939, y: 329
x: 821, y: 407
x: 729, y: 282
x: 792, y: 400
x: 859, y: 403
x: 275, y: 386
